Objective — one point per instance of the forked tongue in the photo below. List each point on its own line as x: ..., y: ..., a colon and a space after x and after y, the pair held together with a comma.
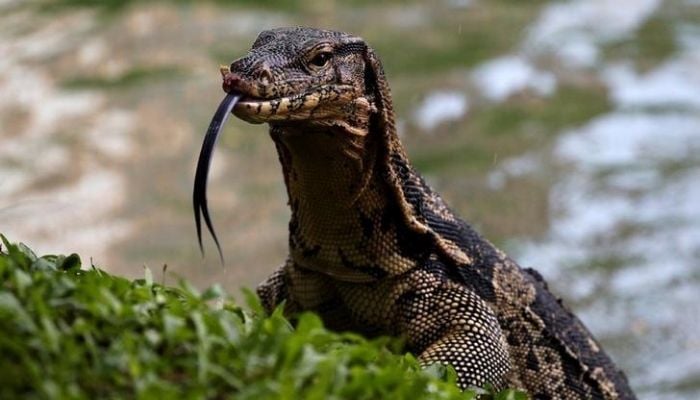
x: 199, y: 194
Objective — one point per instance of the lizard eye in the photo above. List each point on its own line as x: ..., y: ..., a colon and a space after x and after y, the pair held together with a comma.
x: 321, y: 59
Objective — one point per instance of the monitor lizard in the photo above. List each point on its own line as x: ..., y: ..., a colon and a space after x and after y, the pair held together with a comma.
x: 373, y: 249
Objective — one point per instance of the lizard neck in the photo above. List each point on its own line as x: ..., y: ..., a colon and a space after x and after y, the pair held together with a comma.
x: 344, y: 221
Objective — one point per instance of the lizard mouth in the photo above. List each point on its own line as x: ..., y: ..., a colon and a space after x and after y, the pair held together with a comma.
x: 314, y: 103
x: 319, y: 102
x: 254, y: 106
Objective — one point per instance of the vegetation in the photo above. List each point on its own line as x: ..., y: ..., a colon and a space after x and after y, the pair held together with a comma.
x: 70, y: 332
x: 133, y: 77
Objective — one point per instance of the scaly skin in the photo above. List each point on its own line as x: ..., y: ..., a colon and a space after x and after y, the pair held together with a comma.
x: 374, y: 250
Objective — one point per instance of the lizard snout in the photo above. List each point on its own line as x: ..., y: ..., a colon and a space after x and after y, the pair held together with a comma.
x: 251, y: 79
x: 258, y: 87
x: 234, y: 83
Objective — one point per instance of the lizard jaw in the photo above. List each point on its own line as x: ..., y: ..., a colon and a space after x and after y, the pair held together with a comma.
x: 321, y: 102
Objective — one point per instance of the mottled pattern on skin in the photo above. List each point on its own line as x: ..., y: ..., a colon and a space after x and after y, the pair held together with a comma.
x: 373, y: 249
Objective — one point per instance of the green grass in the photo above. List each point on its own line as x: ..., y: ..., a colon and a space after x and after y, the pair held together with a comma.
x: 69, y: 332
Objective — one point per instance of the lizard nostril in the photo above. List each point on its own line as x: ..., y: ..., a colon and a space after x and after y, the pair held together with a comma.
x: 266, y: 76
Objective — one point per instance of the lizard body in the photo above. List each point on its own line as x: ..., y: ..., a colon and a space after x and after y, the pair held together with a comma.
x: 375, y: 250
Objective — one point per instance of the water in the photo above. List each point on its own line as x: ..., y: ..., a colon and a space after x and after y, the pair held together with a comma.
x: 624, y: 239
x: 568, y: 132
x: 439, y: 107
x: 499, y: 79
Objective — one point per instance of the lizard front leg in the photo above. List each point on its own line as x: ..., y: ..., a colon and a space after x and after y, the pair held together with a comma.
x: 442, y: 321
x: 305, y: 290
x: 447, y: 323
x: 275, y: 289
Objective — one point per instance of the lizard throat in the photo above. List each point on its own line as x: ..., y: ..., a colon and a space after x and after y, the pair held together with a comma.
x: 342, y: 222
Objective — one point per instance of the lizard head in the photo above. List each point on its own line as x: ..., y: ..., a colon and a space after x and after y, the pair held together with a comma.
x: 303, y: 74
x: 307, y: 80
x: 304, y: 80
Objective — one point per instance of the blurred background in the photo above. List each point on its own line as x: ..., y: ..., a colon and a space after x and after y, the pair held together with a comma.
x: 568, y: 132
